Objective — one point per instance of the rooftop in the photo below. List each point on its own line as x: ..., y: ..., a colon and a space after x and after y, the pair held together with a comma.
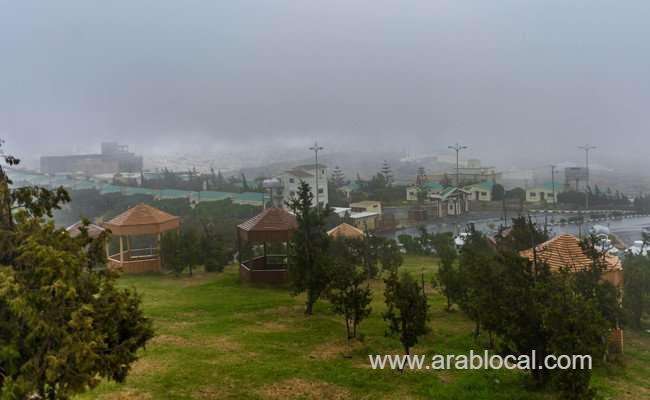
x: 565, y: 251
x: 142, y: 219
x: 310, y: 167
x: 485, y: 185
x: 345, y: 230
x: 363, y: 214
x: 299, y: 173
x: 93, y: 230
x: 271, y: 219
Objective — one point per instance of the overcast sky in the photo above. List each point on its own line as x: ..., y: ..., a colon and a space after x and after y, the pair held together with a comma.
x: 529, y: 78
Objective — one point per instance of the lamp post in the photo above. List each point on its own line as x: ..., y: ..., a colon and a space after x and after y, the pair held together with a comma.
x: 316, y: 148
x: 553, y: 184
x: 586, y: 148
x: 457, y: 147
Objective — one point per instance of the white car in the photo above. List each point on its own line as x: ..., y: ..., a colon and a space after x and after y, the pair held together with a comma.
x: 460, y: 239
x: 638, y: 248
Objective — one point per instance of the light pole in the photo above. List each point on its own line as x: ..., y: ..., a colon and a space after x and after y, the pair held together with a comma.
x: 586, y: 148
x: 553, y: 184
x: 458, y: 148
x: 316, y: 148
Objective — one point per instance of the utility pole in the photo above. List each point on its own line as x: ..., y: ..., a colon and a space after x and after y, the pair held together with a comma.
x: 586, y: 148
x: 553, y: 184
x: 457, y: 147
x: 316, y: 148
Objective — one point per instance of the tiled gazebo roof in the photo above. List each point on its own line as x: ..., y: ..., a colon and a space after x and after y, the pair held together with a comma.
x: 271, y: 225
x: 142, y: 219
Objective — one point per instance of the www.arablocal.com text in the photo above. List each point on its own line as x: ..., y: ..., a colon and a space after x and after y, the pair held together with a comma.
x: 475, y: 361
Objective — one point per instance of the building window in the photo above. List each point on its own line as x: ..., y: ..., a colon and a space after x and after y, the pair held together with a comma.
x: 483, y: 193
x: 320, y: 191
x: 291, y: 180
x: 533, y: 194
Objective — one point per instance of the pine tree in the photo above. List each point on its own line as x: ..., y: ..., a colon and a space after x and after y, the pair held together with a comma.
x: 349, y: 295
x: 309, y: 265
x: 447, y: 278
x: 407, y: 309
x: 636, y: 292
x: 387, y: 173
x: 244, y: 183
x: 65, y: 324
x: 420, y: 179
x: 338, y: 177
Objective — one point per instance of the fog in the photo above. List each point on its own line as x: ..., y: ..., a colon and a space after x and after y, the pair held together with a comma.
x: 520, y: 82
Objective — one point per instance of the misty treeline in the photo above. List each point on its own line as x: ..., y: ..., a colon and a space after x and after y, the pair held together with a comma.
x: 195, y: 181
x: 379, y: 187
x: 66, y: 325
x: 597, y: 198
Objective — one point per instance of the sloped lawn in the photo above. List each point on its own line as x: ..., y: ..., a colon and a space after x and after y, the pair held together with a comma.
x: 219, y: 339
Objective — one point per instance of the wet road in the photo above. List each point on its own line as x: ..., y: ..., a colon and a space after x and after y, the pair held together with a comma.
x: 626, y: 229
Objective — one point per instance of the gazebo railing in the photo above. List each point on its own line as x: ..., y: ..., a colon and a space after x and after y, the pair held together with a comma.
x: 136, y: 254
x: 147, y: 252
x: 270, y: 262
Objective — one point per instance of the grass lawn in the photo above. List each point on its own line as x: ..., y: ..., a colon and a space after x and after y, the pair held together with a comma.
x: 219, y: 339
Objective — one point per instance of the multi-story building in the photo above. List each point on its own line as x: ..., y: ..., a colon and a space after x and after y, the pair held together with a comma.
x: 575, y: 178
x: 113, y: 158
x: 289, y: 182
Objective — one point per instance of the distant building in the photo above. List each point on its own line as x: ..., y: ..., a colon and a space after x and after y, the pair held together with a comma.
x: 366, y: 206
x: 363, y: 218
x: 113, y: 158
x: 429, y: 188
x: 575, y: 178
x: 543, y: 194
x: 481, y: 191
x: 289, y: 182
x: 517, y: 178
x: 451, y: 201
x: 466, y: 175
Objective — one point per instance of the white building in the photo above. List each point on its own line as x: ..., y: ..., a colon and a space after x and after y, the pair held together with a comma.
x: 545, y: 193
x: 290, y: 182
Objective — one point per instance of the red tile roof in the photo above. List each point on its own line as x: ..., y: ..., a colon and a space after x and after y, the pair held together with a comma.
x: 345, y: 230
x: 565, y: 251
x: 271, y: 219
x: 142, y: 219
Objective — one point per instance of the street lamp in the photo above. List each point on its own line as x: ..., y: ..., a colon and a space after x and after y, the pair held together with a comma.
x: 316, y: 148
x: 458, y: 148
x: 586, y: 148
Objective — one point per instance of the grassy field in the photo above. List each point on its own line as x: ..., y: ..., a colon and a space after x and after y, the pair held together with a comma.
x: 219, y: 339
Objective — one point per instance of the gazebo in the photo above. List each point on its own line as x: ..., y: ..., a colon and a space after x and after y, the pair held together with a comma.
x: 275, y: 226
x: 145, y: 221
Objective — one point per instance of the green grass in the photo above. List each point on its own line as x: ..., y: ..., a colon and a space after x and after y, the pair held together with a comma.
x: 218, y: 338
